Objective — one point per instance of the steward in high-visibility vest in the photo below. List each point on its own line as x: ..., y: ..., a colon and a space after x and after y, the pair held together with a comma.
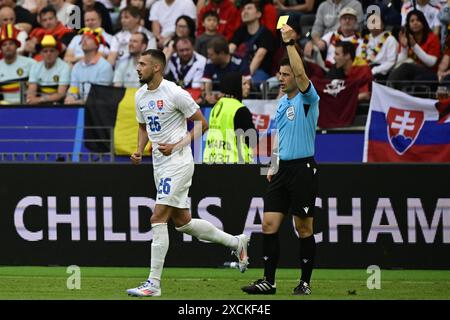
x: 222, y: 143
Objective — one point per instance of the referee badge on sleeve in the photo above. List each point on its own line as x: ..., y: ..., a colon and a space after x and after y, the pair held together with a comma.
x: 290, y: 113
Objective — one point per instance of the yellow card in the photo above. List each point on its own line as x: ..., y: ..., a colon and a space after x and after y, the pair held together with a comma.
x: 281, y: 21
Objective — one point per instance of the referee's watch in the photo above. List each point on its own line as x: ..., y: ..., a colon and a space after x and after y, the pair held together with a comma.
x: 289, y: 43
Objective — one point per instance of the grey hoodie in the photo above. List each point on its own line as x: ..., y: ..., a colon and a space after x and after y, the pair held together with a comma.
x: 327, y: 16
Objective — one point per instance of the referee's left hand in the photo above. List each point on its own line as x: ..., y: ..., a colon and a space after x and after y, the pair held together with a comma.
x: 287, y: 33
x: 166, y: 148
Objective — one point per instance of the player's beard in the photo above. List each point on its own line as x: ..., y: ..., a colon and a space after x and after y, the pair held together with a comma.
x: 146, y: 80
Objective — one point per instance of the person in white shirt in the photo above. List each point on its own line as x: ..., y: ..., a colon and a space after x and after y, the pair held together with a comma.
x: 125, y: 74
x: 164, y: 14
x: 14, y: 68
x: 50, y: 78
x: 130, y: 18
x: 185, y: 66
x: 348, y: 25
x: 162, y: 108
x: 379, y: 49
x: 93, y: 21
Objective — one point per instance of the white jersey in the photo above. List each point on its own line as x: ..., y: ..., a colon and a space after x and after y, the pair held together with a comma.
x: 165, y: 111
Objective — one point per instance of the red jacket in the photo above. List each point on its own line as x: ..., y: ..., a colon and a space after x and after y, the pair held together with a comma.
x: 229, y: 18
x: 59, y: 31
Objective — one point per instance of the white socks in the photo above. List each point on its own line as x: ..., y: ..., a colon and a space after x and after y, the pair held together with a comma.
x: 204, y: 230
x: 160, y: 245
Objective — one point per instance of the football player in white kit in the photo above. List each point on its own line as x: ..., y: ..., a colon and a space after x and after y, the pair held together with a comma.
x: 162, y: 108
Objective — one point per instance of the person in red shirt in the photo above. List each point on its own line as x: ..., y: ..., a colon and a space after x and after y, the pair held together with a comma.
x: 344, y: 68
x: 229, y: 17
x: 49, y: 25
x: 419, y: 53
x: 269, y: 16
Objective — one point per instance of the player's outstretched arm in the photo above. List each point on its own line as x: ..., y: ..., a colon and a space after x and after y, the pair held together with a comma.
x: 136, y: 157
x: 287, y: 33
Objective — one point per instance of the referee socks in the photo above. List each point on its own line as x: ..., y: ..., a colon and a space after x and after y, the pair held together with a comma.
x: 271, y: 251
x: 307, y: 254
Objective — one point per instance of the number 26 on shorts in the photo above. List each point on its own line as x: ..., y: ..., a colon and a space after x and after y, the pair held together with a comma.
x: 164, y: 186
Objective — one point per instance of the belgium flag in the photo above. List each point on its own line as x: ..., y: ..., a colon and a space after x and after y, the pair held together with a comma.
x: 110, y: 120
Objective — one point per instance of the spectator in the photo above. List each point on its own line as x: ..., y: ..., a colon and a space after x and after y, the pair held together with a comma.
x: 92, y: 69
x: 24, y: 19
x: 49, y: 79
x: 125, y: 74
x: 295, y: 7
x: 229, y: 17
x: 327, y: 17
x: 99, y: 7
x: 229, y: 120
x: 254, y: 43
x: 311, y: 69
x: 164, y: 14
x: 220, y: 62
x: 14, y: 67
x: 64, y: 10
x: 8, y: 16
x: 184, y: 27
x: 344, y: 69
x: 186, y: 67
x: 430, y: 11
x: 145, y: 12
x: 211, y: 25
x: 346, y: 32
x: 379, y: 49
x: 34, y: 6
x: 269, y: 16
x: 93, y: 21
x: 419, y: 52
x: 50, y: 25
x: 130, y: 20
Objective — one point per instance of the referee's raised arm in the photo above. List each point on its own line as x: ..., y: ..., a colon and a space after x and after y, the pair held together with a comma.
x: 288, y: 35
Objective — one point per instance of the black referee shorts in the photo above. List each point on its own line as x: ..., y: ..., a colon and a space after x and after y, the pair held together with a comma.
x: 293, y: 189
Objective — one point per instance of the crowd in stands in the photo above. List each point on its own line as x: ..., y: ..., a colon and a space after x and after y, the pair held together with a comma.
x: 46, y: 56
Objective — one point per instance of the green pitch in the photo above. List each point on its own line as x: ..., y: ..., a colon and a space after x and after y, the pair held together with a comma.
x: 223, y: 284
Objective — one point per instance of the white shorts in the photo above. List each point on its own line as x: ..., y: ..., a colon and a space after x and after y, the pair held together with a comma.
x: 172, y: 184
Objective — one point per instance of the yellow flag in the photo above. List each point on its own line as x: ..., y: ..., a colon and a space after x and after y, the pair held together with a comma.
x: 126, y: 128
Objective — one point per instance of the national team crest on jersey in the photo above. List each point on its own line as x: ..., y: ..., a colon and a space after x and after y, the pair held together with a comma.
x: 152, y: 104
x: 160, y: 104
x: 403, y: 128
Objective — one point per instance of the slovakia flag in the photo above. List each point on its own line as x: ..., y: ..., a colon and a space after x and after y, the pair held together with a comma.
x: 402, y: 128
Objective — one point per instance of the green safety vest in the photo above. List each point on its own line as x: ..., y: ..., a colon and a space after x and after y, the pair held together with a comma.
x: 221, y: 141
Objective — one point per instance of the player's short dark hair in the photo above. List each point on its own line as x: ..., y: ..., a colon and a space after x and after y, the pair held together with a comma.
x: 347, y: 48
x: 218, y: 44
x: 178, y: 39
x: 211, y: 13
x: 158, y: 55
x: 47, y: 9
x: 144, y: 36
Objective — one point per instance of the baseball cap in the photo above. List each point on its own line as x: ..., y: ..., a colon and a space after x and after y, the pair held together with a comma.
x: 348, y: 10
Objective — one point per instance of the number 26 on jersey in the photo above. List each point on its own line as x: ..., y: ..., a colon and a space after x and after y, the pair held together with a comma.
x: 153, y: 124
